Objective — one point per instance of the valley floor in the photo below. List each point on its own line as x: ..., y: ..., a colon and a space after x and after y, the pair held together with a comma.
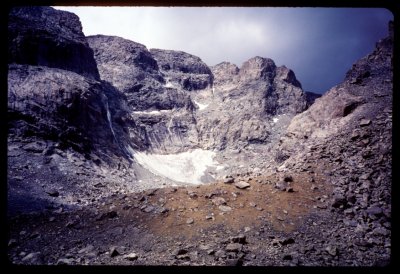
x: 212, y: 224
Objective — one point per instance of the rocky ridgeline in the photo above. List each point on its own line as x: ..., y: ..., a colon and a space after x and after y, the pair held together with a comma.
x: 164, y: 89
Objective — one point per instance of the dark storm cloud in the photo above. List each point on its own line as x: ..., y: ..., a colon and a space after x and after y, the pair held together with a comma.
x: 318, y: 44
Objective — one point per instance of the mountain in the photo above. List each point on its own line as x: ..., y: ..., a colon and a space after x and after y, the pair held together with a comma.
x: 113, y: 147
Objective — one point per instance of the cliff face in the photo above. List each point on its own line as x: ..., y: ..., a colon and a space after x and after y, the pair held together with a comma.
x: 180, y: 103
x: 249, y: 105
x: 42, y: 36
x: 54, y: 88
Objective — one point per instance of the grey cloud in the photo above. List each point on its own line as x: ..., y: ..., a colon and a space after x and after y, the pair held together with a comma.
x: 318, y: 44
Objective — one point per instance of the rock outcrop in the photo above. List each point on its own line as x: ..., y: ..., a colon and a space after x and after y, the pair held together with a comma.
x: 245, y: 104
x: 162, y: 112
x: 54, y: 89
x: 42, y: 36
x: 182, y: 69
x: 349, y: 132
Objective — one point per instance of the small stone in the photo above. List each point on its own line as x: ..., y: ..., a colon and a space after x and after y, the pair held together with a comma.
x: 380, y: 231
x: 209, y: 217
x: 192, y: 194
x: 239, y: 239
x: 52, y: 219
x: 218, y: 201
x: 53, y: 193
x: 220, y: 254
x: 322, y: 206
x: 289, y: 189
x: 339, y: 201
x: 189, y: 221
x: 287, y: 257
x: 365, y: 122
x: 87, y: 249
x: 12, y: 243
x: 180, y: 251
x: 287, y: 178
x: 242, y: 185
x: 313, y: 187
x: 204, y: 247
x: 114, y: 252
x: 287, y: 241
x: 148, y: 209
x: 331, y: 250
x: 224, y: 208
x: 164, y: 210
x: 374, y: 210
x: 229, y: 180
x: 131, y: 256
x: 281, y: 185
x: 34, y: 257
x: 234, y: 247
x: 234, y: 262
x: 65, y: 261
x: 107, y: 215
x: 210, y: 252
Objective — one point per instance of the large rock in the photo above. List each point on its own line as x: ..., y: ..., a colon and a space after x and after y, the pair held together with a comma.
x: 245, y: 104
x: 125, y: 64
x: 43, y: 36
x: 163, y: 112
x: 183, y: 69
x: 365, y: 93
x: 66, y: 107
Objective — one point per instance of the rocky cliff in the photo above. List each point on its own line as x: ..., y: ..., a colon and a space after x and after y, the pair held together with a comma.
x: 54, y: 88
x: 168, y: 90
x: 43, y: 36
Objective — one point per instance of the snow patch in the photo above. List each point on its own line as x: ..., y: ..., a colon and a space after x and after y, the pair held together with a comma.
x: 153, y: 112
x: 275, y: 120
x: 185, y: 167
x: 201, y: 106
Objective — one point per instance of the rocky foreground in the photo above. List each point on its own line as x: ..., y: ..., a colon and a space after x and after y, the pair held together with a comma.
x: 298, y: 182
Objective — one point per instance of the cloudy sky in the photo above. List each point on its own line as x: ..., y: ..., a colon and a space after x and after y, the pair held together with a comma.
x: 318, y: 44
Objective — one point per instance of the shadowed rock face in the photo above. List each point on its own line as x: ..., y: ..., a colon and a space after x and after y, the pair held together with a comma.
x: 67, y: 108
x: 43, y: 36
x: 54, y: 89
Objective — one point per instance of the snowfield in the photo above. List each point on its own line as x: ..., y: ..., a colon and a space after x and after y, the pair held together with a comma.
x: 185, y: 167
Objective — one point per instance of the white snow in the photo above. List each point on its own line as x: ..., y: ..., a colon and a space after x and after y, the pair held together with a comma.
x: 220, y: 167
x: 153, y: 112
x: 186, y: 167
x: 169, y: 85
x: 275, y: 120
x: 201, y: 106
